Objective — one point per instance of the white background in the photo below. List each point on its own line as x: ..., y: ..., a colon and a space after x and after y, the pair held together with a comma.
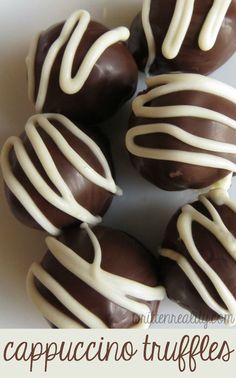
x: 143, y: 211
x: 137, y: 367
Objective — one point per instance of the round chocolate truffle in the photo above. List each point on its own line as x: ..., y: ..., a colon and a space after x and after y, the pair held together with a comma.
x: 100, y: 278
x: 183, y: 131
x: 183, y: 35
x: 198, y: 257
x: 56, y: 175
x: 81, y: 69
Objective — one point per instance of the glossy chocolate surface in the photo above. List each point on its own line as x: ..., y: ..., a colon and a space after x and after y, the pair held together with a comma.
x: 171, y: 175
x: 178, y: 286
x: 190, y: 58
x: 90, y: 196
x: 111, y: 83
x: 121, y: 255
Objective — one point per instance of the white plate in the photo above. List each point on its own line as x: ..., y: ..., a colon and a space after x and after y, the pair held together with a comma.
x: 143, y: 211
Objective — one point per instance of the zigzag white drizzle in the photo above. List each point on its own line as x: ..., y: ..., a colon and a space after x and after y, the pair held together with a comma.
x: 124, y: 292
x: 65, y: 201
x: 217, y: 228
x: 173, y: 83
x: 78, y: 22
x: 179, y: 25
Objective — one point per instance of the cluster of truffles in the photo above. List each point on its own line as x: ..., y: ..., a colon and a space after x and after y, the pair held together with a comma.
x: 59, y: 174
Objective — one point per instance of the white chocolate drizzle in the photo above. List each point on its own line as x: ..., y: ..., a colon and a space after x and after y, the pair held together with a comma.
x: 179, y: 26
x: 119, y: 290
x: 65, y: 201
x: 224, y: 183
x: 173, y: 83
x: 149, y: 34
x: 217, y: 228
x: 71, y: 35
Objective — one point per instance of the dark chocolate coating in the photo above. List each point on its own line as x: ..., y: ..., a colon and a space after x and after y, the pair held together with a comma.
x: 171, y: 175
x: 178, y: 286
x: 121, y: 255
x: 111, y: 83
x: 92, y: 197
x: 190, y: 58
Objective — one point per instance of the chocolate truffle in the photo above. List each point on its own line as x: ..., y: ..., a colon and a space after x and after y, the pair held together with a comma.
x: 56, y: 175
x: 100, y: 278
x: 198, y: 257
x: 81, y: 69
x: 183, y: 131
x: 183, y: 35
